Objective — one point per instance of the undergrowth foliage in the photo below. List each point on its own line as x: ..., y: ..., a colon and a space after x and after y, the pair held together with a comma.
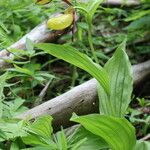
x: 115, y: 87
x: 108, y: 129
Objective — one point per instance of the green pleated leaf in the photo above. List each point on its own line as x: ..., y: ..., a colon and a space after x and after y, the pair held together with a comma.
x: 142, y: 145
x: 117, y: 132
x: 83, y: 139
x: 61, y: 140
x: 105, y: 104
x: 42, y: 126
x: 121, y: 82
x: 73, y: 56
x: 39, y: 132
x: 11, y: 129
x: 2, y: 84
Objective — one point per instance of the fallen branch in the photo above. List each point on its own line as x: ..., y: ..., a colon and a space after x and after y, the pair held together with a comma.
x: 81, y: 99
x: 140, y: 72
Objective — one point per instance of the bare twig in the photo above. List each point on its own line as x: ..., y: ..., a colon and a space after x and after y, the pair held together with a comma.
x: 146, y: 137
x: 42, y: 94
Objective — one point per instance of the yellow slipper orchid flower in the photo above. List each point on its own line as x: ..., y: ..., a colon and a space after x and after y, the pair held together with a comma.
x: 62, y: 21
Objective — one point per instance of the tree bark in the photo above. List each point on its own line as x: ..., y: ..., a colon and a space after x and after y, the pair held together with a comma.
x: 81, y: 99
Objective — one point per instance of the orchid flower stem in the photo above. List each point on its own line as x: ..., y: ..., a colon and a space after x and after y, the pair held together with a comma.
x: 91, y: 44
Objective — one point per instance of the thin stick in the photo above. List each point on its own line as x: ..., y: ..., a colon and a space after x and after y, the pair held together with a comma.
x: 146, y: 137
x: 42, y: 94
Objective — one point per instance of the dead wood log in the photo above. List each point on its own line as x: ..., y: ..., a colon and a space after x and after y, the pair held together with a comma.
x: 81, y: 99
x: 140, y: 72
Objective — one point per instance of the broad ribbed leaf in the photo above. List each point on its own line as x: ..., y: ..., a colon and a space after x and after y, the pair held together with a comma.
x: 39, y: 132
x: 2, y: 84
x: 142, y: 145
x: 105, y: 104
x: 11, y: 130
x: 78, y: 59
x: 83, y: 139
x: 42, y: 126
x: 121, y: 82
x: 117, y: 132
